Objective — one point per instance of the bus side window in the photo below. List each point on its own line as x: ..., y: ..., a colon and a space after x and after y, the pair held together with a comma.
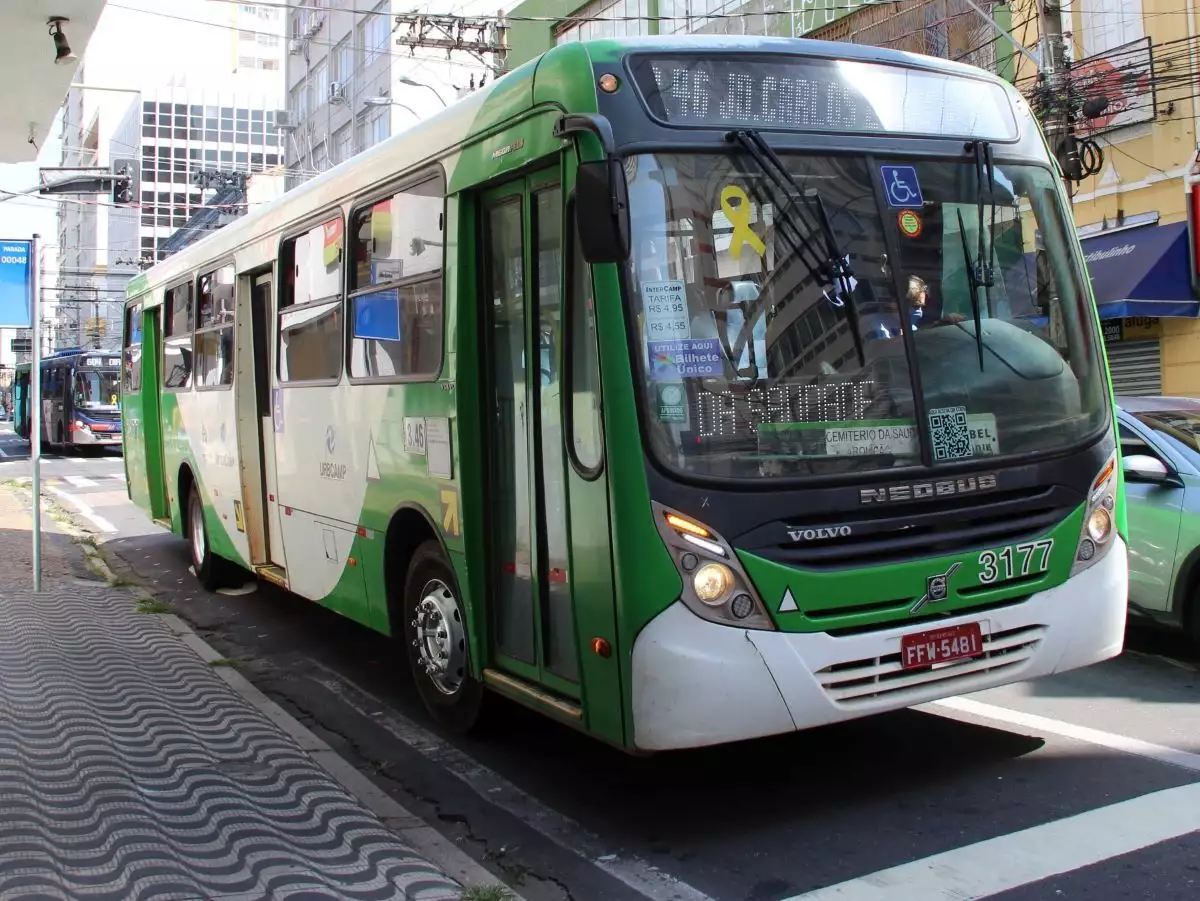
x: 133, y: 348
x: 395, y: 305
x: 177, y: 337
x: 214, y: 332
x: 587, y: 441
x: 310, y: 304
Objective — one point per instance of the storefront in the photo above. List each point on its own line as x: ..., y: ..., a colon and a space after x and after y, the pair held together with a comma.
x: 1140, y: 275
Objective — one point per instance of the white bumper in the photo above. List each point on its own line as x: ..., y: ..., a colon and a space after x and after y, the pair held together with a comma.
x: 698, y: 683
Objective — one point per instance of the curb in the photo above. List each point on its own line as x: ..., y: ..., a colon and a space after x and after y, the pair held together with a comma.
x: 423, y: 838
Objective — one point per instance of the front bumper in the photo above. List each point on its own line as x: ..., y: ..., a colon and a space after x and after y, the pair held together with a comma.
x: 698, y: 683
x: 89, y: 438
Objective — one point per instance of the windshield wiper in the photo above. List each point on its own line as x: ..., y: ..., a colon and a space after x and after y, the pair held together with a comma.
x: 981, y: 273
x: 832, y: 267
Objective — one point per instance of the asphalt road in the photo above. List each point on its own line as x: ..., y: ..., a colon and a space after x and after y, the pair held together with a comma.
x: 1085, y: 785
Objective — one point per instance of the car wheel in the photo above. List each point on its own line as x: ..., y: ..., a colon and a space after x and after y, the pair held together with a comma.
x: 435, y: 631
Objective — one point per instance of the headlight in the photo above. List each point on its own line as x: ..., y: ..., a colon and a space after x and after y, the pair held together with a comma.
x: 715, y: 587
x: 1096, y: 536
x: 1099, y: 525
x: 712, y: 582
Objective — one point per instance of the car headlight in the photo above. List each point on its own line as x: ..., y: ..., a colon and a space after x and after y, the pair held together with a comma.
x: 715, y: 587
x: 1096, y: 536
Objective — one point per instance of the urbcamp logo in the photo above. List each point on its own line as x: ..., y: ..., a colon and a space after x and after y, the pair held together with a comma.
x: 330, y: 469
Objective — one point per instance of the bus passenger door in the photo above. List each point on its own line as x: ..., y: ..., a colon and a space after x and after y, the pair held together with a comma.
x: 257, y: 447
x: 150, y: 432
x: 531, y: 486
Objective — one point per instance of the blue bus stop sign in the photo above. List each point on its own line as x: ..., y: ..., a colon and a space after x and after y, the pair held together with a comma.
x: 16, y: 284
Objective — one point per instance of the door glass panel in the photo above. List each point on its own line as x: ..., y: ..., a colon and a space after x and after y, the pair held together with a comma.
x: 585, y: 365
x: 515, y: 634
x: 560, y: 629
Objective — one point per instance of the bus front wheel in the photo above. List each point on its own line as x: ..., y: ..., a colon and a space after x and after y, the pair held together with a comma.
x: 435, y: 629
x: 209, y: 568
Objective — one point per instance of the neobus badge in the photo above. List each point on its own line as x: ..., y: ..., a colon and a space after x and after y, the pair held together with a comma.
x: 921, y: 491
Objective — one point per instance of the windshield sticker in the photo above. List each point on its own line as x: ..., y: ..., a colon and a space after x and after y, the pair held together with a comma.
x: 671, y: 361
x: 863, y: 439
x: 901, y: 186
x: 950, y: 433
x: 671, y: 402
x: 736, y: 207
x: 910, y: 223
x: 666, y: 310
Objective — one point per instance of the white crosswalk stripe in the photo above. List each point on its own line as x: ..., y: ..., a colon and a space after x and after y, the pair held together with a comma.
x: 81, y: 481
x: 119, y: 476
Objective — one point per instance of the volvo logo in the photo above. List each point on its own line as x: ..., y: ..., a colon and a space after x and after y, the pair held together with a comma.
x: 798, y: 535
x: 937, y: 588
x: 924, y: 491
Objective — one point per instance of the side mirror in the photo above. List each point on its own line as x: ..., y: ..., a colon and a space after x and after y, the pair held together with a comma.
x: 1144, y: 468
x: 602, y: 211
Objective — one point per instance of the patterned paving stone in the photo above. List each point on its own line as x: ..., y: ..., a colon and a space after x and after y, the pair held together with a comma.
x: 130, y: 770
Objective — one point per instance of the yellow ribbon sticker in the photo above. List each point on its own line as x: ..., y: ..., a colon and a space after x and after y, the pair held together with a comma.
x: 739, y: 217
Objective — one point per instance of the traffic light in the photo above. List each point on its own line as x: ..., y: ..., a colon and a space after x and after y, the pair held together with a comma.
x: 124, y: 188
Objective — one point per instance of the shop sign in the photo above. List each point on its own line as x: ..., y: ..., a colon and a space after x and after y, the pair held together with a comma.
x: 1135, y: 328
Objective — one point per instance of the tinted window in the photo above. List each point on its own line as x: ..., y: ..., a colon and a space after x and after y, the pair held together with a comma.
x: 396, y: 292
x: 214, y: 337
x: 310, y: 316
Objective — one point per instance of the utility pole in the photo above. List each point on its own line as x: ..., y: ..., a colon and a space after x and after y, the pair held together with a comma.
x: 1057, y: 122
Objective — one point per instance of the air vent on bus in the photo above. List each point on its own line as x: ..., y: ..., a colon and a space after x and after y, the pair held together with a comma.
x: 941, y: 529
x: 860, y: 682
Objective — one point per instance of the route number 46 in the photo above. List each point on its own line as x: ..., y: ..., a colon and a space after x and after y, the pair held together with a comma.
x: 1030, y: 558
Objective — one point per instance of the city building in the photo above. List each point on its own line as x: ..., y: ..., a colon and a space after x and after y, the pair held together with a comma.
x: 201, y: 100
x: 1131, y: 89
x: 349, y: 86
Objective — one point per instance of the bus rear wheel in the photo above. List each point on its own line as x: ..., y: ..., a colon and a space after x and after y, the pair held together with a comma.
x: 210, y: 569
x: 435, y: 629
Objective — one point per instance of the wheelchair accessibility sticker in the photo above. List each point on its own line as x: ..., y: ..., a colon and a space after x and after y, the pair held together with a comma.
x: 901, y: 186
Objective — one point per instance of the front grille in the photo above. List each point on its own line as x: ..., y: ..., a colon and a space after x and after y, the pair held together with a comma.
x: 907, y: 534
x: 102, y: 415
x: 860, y: 682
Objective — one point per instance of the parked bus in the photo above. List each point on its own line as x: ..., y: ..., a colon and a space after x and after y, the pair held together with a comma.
x: 80, y: 399
x: 820, y: 424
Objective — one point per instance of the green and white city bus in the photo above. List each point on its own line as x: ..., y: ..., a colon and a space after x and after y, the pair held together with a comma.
x: 820, y: 423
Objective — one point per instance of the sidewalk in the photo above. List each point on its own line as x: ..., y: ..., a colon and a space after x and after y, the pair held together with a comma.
x: 129, y: 768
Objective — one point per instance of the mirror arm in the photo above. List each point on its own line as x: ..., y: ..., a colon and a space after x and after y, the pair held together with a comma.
x: 591, y: 123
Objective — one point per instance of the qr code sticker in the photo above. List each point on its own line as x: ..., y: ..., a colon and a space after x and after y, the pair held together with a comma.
x: 950, y: 434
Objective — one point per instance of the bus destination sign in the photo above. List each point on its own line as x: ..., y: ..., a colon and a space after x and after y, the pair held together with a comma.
x: 101, y: 362
x: 820, y: 95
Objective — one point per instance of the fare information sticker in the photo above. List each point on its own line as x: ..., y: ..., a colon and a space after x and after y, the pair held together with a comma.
x: 666, y: 311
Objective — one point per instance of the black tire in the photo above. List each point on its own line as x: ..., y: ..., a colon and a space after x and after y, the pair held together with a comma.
x: 211, y: 570
x: 453, y: 696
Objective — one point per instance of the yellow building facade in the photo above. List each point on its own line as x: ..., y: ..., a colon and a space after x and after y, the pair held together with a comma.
x: 1141, y: 56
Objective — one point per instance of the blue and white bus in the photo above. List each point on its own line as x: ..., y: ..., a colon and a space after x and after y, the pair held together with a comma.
x: 80, y: 399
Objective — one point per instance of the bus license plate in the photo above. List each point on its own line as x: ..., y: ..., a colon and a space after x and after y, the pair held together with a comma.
x: 941, y: 645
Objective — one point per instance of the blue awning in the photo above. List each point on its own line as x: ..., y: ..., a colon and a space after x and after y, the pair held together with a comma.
x: 1143, y: 271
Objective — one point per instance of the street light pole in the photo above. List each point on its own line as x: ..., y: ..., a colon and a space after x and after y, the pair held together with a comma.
x: 413, y: 83
x: 387, y: 101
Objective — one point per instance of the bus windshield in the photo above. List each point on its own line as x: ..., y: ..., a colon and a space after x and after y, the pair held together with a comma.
x: 96, y: 390
x: 756, y: 362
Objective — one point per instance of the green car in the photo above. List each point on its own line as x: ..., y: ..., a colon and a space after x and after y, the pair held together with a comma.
x: 1160, y: 449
